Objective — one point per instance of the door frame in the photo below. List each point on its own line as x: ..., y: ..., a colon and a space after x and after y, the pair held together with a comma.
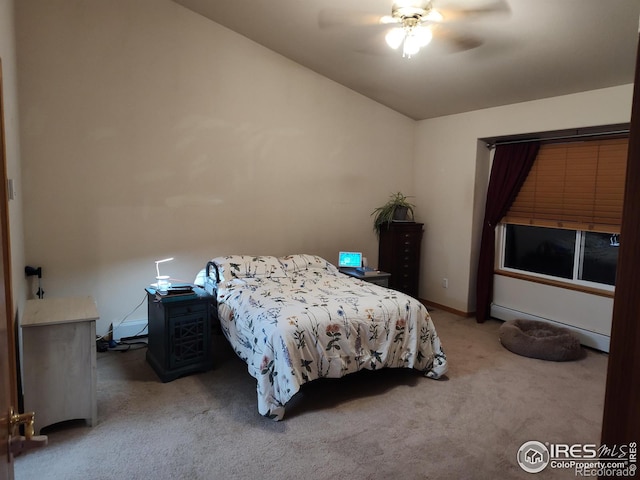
x: 9, y: 388
x: 621, y: 419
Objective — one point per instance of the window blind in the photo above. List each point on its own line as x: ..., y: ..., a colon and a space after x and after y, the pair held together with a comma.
x: 577, y: 186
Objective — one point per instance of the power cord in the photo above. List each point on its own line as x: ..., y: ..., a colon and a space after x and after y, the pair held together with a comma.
x: 104, y: 345
x: 122, y: 346
x: 110, y: 331
x: 126, y: 346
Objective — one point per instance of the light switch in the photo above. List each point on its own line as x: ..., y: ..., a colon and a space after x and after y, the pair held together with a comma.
x: 10, y: 191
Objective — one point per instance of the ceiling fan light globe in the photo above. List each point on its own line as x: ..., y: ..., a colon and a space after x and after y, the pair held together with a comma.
x: 411, y: 46
x: 394, y: 37
x: 423, y: 35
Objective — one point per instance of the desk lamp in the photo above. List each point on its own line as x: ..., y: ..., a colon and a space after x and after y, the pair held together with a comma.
x: 163, y: 283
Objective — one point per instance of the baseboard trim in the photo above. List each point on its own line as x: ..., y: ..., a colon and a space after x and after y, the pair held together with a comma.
x: 428, y: 303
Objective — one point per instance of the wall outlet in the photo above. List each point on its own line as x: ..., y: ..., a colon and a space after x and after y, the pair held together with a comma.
x: 445, y: 283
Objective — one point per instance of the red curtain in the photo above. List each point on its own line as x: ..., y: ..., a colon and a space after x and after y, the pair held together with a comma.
x: 511, y: 164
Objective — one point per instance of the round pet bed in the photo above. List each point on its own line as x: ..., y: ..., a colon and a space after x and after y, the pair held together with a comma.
x: 537, y: 339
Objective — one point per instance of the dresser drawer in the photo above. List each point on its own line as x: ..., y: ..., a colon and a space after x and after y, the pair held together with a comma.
x: 407, y: 275
x: 408, y: 255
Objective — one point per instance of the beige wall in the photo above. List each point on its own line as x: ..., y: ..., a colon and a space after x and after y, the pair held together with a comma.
x: 11, y: 119
x: 451, y: 173
x: 149, y: 131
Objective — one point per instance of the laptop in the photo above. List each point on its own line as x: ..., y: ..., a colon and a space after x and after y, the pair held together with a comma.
x: 349, y: 259
x: 351, y: 264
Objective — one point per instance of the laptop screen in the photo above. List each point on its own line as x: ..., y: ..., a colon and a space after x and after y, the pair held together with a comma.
x: 349, y: 259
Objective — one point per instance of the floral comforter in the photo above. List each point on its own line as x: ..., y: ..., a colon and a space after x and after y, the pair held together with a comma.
x: 297, y: 318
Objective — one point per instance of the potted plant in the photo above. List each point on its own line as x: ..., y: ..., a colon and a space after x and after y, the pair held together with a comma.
x: 397, y: 208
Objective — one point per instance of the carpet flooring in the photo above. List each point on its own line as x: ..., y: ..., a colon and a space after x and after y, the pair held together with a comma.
x: 375, y: 425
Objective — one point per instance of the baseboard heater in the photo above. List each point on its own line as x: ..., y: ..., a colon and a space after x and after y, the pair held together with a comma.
x: 131, y: 329
x: 587, y: 337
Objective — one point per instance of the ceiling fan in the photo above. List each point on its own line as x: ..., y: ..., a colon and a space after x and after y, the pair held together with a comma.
x: 414, y: 22
x: 415, y: 19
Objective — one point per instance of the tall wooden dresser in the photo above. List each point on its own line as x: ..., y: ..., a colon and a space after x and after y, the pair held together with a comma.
x: 399, y: 254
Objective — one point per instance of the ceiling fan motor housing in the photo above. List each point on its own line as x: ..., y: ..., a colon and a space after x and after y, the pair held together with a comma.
x: 414, y: 9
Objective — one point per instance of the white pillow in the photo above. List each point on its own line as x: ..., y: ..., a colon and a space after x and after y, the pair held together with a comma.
x: 304, y: 262
x: 200, y: 278
x: 248, y: 266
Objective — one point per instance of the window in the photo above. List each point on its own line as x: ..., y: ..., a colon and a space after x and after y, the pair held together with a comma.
x: 565, y: 222
x: 599, y: 257
x: 574, y: 256
x: 548, y: 251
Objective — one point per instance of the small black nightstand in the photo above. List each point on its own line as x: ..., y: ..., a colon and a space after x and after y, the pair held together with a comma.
x: 180, y: 333
x: 379, y: 278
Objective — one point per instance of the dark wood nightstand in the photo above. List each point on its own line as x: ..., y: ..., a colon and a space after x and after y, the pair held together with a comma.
x: 180, y: 330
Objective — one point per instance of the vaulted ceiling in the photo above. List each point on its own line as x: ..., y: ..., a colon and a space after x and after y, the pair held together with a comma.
x: 485, y: 53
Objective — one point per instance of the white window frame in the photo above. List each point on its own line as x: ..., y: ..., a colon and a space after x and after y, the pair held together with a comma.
x: 578, y: 256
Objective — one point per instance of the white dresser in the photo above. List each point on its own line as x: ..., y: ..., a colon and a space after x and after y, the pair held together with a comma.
x: 59, y: 360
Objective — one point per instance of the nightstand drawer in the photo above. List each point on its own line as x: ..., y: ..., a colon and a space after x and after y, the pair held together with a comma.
x: 179, y: 310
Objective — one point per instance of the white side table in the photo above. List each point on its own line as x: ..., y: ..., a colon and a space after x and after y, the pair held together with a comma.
x: 59, y: 360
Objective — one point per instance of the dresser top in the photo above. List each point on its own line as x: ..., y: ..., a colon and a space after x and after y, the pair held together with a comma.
x: 51, y: 311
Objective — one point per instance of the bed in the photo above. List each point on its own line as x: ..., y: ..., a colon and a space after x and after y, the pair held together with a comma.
x: 297, y: 318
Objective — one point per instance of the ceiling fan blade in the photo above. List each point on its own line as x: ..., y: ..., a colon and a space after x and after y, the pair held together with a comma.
x: 453, y: 13
x: 457, y: 42
x: 389, y: 20
x: 338, y: 18
x: 373, y: 43
x: 377, y: 49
